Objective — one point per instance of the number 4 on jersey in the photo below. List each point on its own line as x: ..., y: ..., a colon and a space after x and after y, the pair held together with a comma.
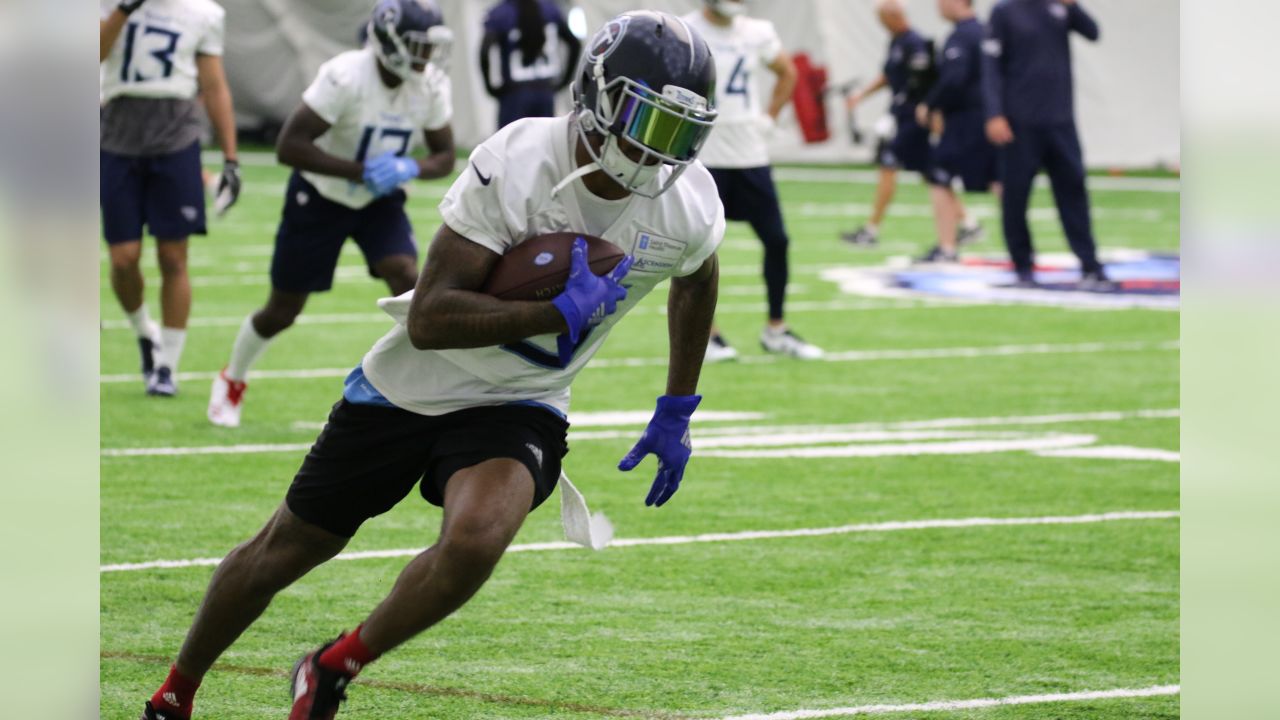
x: 739, y: 81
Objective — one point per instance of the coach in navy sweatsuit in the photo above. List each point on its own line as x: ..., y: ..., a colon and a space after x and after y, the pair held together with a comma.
x: 1028, y: 97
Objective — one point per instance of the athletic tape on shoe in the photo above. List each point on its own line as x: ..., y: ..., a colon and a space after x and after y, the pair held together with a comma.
x: 580, y: 526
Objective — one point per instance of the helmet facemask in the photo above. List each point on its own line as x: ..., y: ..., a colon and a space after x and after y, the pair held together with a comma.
x: 409, y: 53
x: 668, y: 127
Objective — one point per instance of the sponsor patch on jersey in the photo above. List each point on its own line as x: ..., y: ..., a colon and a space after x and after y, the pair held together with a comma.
x: 1146, y: 280
x: 654, y: 253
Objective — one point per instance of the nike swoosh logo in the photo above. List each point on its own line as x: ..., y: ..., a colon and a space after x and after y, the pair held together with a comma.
x: 483, y: 180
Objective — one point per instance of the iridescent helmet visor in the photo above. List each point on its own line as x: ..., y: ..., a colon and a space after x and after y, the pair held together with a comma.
x: 673, y: 124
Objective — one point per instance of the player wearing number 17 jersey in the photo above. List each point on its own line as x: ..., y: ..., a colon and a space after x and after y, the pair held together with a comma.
x: 738, y: 156
x: 351, y: 143
x: 154, y: 53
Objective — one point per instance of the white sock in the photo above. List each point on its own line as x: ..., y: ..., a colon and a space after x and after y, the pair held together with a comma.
x: 171, y: 342
x: 872, y: 228
x: 143, y: 327
x: 969, y: 222
x: 248, y: 347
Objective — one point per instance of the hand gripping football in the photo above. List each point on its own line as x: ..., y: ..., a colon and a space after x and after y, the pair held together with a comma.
x: 538, y: 268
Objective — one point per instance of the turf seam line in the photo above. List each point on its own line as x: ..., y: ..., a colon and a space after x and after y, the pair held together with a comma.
x: 881, y: 527
x: 705, y: 432
x: 831, y: 357
x: 974, y: 704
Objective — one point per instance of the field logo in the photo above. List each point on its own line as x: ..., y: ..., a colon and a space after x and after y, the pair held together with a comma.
x: 1146, y: 280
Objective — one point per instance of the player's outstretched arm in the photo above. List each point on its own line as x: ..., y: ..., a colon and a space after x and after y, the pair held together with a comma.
x: 297, y: 148
x: 449, y: 311
x: 691, y: 305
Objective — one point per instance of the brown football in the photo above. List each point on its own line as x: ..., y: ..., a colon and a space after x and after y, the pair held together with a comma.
x: 538, y: 268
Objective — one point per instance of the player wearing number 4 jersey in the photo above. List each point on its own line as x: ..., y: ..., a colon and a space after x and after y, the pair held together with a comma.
x: 153, y: 55
x: 351, y: 143
x: 738, y: 155
x: 466, y: 396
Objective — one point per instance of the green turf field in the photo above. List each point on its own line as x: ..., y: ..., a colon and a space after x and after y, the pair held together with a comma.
x: 871, y: 615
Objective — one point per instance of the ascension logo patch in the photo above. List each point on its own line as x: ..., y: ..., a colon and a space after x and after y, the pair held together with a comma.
x: 1146, y: 280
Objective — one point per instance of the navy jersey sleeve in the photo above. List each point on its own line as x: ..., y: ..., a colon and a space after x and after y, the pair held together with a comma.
x: 953, y: 76
x: 993, y: 63
x: 1082, y: 22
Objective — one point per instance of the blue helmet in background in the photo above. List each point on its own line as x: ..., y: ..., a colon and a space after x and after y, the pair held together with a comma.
x: 646, y: 82
x: 407, y: 35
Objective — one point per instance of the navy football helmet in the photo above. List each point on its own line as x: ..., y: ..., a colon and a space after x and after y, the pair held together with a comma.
x: 646, y: 81
x: 409, y: 34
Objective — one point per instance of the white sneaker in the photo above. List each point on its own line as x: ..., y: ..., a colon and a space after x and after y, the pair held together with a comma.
x: 785, y: 342
x: 225, y: 401
x: 719, y: 351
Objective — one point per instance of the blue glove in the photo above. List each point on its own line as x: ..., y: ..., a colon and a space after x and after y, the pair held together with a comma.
x: 388, y: 171
x: 589, y: 298
x: 667, y: 436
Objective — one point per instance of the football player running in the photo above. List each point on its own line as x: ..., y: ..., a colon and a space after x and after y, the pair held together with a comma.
x: 738, y: 155
x: 351, y: 143
x: 154, y: 53
x: 468, y: 393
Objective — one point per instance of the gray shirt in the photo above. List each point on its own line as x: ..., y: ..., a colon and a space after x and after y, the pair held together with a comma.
x: 139, y: 126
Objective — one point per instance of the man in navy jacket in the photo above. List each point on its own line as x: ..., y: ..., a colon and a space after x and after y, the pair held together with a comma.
x: 1030, y: 110
x: 955, y: 103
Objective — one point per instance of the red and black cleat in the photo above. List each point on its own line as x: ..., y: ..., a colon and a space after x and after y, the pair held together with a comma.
x: 149, y: 712
x: 317, y: 690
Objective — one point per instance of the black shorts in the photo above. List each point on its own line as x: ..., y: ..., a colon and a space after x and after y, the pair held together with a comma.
x: 748, y: 194
x: 313, y: 230
x: 963, y: 153
x: 163, y: 192
x: 907, y: 150
x: 368, y: 457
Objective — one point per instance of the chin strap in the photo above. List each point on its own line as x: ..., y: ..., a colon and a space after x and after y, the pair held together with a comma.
x: 584, y: 170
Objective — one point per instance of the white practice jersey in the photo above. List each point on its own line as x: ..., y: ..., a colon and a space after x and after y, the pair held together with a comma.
x: 503, y: 198
x: 743, y: 51
x: 155, y: 55
x: 367, y: 118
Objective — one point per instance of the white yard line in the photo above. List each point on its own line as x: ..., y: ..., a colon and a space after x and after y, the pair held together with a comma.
x: 848, y: 356
x: 974, y: 704
x: 741, y: 431
x: 1052, y: 441
x: 1115, y: 452
x: 880, y: 527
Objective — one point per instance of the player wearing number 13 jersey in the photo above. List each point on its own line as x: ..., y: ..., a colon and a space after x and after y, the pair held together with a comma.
x: 738, y: 156
x: 153, y: 55
x: 352, y: 143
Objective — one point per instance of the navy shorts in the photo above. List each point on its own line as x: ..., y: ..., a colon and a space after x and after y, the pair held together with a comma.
x: 314, y: 228
x: 748, y: 194
x: 964, y: 153
x: 369, y: 457
x: 163, y: 192
x: 908, y: 150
